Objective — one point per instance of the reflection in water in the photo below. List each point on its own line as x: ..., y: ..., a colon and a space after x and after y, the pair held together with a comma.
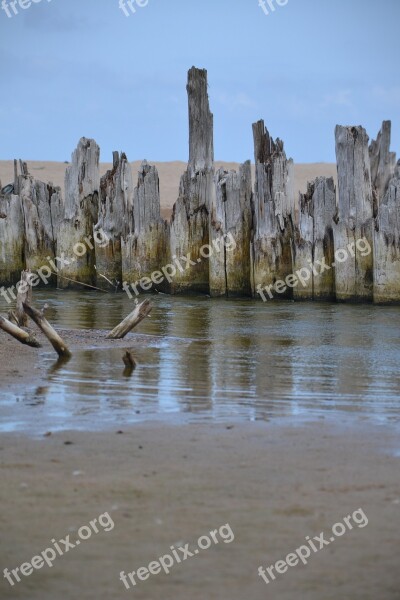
x: 217, y: 360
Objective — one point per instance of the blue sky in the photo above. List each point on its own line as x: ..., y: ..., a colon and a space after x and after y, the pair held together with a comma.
x: 73, y: 68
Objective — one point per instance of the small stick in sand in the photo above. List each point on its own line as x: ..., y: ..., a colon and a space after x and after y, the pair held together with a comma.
x: 19, y: 334
x: 134, y: 318
x: 55, y: 340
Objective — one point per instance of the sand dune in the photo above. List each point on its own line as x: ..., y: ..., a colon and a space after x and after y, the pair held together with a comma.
x: 169, y: 172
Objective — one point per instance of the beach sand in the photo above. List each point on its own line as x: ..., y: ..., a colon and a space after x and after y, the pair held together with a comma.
x: 167, y: 485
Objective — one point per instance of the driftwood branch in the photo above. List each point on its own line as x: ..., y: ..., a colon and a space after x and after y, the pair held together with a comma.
x: 136, y: 316
x: 24, y: 295
x: 18, y: 333
x: 55, y: 340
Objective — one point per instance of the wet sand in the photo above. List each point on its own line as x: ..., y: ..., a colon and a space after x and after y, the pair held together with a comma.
x: 19, y: 364
x: 165, y: 485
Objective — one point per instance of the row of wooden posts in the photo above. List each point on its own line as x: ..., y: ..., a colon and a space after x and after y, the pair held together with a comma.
x: 277, y: 231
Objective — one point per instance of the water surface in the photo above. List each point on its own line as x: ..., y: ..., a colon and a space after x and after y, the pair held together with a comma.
x: 216, y: 360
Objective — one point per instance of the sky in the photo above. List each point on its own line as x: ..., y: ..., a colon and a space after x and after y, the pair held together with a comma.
x: 73, y: 68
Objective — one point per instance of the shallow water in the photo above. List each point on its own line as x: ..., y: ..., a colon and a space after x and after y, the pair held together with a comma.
x: 216, y: 360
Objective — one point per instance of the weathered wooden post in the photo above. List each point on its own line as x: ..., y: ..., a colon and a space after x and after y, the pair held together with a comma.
x: 190, y: 218
x: 387, y: 245
x: 354, y: 267
x: 230, y: 233
x: 115, y: 208
x: 314, y: 246
x: 76, y: 234
x: 42, y: 207
x: 12, y: 260
x: 383, y: 163
x: 146, y: 243
x: 274, y: 215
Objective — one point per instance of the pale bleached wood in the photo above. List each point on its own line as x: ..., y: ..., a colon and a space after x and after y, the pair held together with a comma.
x: 82, y: 184
x: 387, y: 245
x: 354, y: 276
x: 383, y: 163
x: 55, y: 340
x: 42, y: 207
x: 146, y: 243
x: 11, y: 240
x: 19, y: 334
x: 275, y: 213
x: 230, y: 233
x: 314, y: 245
x: 190, y: 218
x: 115, y: 208
x: 140, y: 312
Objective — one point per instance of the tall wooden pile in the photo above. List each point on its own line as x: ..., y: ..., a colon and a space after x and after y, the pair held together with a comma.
x: 230, y: 233
x: 76, y: 234
x: 115, y: 209
x: 146, y: 247
x: 354, y: 274
x: 274, y: 213
x: 42, y: 207
x: 190, y: 218
x: 314, y: 246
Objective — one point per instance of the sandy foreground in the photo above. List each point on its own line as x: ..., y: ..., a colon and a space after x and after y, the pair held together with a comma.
x: 169, y: 485
x: 165, y: 484
x: 169, y: 173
